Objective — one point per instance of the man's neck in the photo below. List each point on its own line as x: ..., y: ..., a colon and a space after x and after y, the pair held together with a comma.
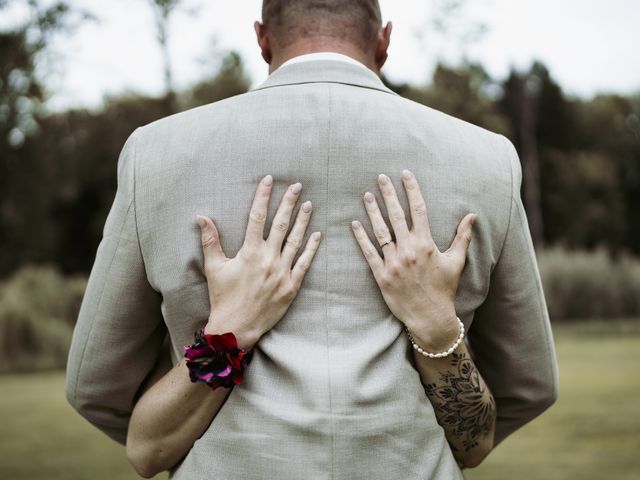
x: 302, y: 48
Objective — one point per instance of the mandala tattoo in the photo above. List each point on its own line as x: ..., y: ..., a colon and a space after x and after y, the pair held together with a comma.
x: 460, y: 402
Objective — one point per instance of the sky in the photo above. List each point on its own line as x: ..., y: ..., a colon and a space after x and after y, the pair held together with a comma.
x: 589, y: 46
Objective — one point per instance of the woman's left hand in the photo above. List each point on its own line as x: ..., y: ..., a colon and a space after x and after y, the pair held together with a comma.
x: 417, y: 281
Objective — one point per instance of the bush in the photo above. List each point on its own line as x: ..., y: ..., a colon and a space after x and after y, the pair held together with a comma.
x: 589, y: 284
x: 39, y: 305
x: 38, y: 308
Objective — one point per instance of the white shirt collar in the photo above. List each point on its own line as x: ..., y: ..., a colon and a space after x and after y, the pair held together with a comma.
x: 322, y: 56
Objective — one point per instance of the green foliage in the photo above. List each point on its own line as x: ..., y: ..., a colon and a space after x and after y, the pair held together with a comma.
x: 588, y: 150
x: 595, y: 214
x: 22, y: 47
x: 38, y: 308
x: 23, y: 188
x: 60, y: 187
x: 589, y: 159
x: 465, y: 92
x: 589, y: 284
x: 230, y: 79
x: 39, y: 305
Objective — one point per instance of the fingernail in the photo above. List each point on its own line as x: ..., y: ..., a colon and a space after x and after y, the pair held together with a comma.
x: 268, y: 180
x: 296, y: 188
x: 406, y: 174
x: 355, y: 224
x: 316, y: 236
x: 201, y: 221
x: 306, y: 206
x: 473, y: 219
x: 368, y: 197
x: 383, y: 179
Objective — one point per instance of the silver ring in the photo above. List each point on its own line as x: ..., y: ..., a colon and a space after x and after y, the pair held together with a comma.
x: 385, y: 244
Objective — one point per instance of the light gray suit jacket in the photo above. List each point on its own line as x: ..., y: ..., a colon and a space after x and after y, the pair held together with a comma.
x: 332, y: 391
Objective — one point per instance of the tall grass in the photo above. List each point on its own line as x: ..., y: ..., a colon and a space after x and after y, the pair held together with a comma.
x: 38, y: 308
x: 589, y: 284
x: 39, y: 305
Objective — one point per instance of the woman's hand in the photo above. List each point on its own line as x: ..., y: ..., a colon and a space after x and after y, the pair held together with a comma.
x: 250, y: 292
x: 419, y: 284
x: 417, y: 281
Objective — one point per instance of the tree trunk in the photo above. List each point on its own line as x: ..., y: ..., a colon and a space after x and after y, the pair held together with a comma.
x: 531, y: 166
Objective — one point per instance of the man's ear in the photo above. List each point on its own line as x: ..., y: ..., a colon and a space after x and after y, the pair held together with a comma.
x: 264, y: 41
x: 384, y: 38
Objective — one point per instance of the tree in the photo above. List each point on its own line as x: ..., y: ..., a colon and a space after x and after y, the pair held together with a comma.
x: 22, y: 47
x: 610, y: 124
x: 464, y: 92
x: 449, y: 29
x: 520, y: 103
x: 230, y: 79
x: 163, y: 10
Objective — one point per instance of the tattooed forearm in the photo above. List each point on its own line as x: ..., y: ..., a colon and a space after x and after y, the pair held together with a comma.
x: 462, y: 401
x: 464, y: 405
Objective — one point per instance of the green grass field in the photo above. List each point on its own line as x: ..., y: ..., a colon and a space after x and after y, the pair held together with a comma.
x: 592, y: 432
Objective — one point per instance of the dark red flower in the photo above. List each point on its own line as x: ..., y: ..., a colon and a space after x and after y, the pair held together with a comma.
x: 216, y: 359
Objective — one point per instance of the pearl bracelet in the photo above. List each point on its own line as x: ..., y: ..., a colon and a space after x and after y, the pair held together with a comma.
x: 440, y: 354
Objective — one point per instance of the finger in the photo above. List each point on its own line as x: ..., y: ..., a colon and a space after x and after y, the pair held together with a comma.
x: 380, y: 228
x: 394, y: 209
x: 258, y: 212
x: 281, y: 220
x: 417, y: 205
x: 304, y: 261
x: 210, y: 240
x: 376, y: 263
x: 294, y: 240
x: 461, y: 242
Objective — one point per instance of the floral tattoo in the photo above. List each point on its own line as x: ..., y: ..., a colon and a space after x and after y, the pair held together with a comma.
x: 463, y: 404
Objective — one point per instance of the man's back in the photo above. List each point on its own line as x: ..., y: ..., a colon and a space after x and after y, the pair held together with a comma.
x: 332, y: 391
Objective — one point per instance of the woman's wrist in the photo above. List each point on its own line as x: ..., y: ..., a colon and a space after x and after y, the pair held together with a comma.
x: 436, y: 333
x: 246, y: 337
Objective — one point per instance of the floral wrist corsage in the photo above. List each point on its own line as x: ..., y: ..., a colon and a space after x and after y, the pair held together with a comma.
x: 216, y: 359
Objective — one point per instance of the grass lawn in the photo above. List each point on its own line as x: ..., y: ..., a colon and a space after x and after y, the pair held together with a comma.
x: 592, y: 432
x: 43, y: 437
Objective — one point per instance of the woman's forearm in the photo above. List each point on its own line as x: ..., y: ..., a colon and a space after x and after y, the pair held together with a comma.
x: 172, y: 414
x: 464, y: 405
x: 415, y: 277
x: 249, y: 294
x: 168, y: 419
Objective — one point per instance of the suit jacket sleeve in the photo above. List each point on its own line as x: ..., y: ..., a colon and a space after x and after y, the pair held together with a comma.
x: 119, y: 330
x: 511, y: 338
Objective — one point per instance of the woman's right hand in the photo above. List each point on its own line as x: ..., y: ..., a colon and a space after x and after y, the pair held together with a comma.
x: 250, y: 292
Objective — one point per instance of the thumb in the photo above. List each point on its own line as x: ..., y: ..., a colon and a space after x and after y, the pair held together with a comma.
x: 461, y: 242
x: 210, y: 240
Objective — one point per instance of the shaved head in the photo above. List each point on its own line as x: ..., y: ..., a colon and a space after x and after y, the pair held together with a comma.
x: 353, y: 21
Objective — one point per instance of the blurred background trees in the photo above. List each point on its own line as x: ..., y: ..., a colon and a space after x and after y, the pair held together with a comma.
x: 580, y: 157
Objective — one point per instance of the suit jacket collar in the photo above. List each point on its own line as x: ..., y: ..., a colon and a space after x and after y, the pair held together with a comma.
x: 332, y: 71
